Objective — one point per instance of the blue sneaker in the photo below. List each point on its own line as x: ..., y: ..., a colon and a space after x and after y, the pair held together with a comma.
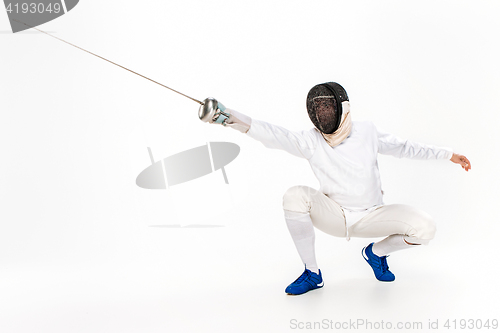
x: 307, y: 281
x: 378, y: 264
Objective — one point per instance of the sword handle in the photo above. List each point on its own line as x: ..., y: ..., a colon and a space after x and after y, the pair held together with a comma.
x: 212, y: 111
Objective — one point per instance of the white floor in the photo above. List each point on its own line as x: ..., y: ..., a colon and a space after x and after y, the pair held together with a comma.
x: 232, y: 279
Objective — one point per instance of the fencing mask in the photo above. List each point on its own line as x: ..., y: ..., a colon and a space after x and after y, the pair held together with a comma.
x: 325, y: 109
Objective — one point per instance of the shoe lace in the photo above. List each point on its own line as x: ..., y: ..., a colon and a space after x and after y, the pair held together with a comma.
x: 383, y: 264
x: 304, y: 276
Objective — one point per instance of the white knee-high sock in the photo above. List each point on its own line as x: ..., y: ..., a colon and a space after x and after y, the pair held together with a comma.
x: 390, y: 244
x: 302, y: 231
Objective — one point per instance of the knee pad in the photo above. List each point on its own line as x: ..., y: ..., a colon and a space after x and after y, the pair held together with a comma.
x: 424, y: 229
x: 296, y: 199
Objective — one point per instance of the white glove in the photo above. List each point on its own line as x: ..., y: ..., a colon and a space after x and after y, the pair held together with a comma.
x: 238, y: 121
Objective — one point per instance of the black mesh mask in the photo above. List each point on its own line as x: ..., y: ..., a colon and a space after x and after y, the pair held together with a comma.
x: 324, y: 106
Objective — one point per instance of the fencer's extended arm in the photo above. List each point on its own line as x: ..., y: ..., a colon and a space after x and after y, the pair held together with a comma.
x: 300, y: 144
x: 389, y: 144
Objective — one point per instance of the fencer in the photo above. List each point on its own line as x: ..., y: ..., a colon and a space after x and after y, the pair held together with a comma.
x: 349, y: 203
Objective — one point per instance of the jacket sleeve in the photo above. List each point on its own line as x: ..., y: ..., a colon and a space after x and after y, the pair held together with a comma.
x: 301, y: 144
x: 389, y: 144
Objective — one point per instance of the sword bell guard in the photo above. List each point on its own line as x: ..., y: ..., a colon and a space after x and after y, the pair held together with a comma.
x: 212, y: 111
x: 208, y: 109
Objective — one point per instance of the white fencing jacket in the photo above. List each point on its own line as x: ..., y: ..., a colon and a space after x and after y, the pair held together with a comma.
x: 347, y: 173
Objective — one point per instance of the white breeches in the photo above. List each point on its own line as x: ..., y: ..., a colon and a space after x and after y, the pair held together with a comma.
x: 328, y: 216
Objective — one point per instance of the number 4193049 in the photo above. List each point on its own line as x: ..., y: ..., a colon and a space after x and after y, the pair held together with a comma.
x: 471, y: 324
x: 33, y: 8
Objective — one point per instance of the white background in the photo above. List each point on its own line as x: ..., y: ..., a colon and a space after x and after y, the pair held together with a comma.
x: 83, y: 249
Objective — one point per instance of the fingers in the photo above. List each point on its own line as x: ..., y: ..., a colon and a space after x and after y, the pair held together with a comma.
x: 462, y: 160
x: 465, y: 163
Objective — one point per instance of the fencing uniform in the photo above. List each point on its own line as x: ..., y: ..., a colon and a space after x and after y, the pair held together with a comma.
x: 349, y: 202
x: 349, y: 178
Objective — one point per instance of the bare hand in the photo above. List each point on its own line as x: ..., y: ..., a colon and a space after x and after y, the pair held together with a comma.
x: 462, y: 160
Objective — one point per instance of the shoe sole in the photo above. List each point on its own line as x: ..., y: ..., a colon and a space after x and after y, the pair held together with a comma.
x: 305, y: 292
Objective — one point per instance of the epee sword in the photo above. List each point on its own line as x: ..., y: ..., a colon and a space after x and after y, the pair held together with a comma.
x: 210, y: 110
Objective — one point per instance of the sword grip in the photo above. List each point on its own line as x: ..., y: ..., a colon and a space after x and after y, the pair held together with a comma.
x: 212, y: 111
